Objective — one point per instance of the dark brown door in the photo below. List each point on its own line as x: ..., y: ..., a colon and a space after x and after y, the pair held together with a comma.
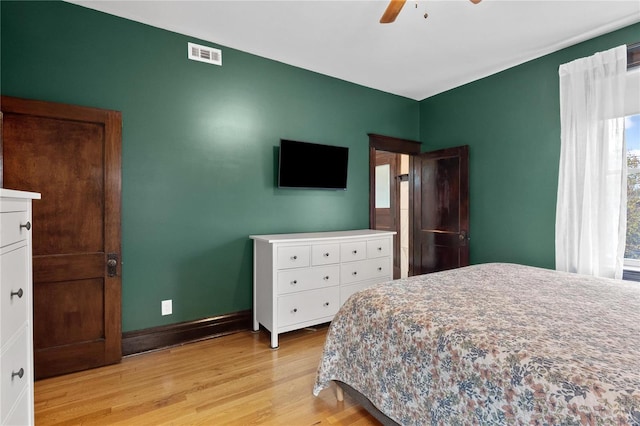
x: 71, y: 155
x: 386, y: 200
x: 440, y: 203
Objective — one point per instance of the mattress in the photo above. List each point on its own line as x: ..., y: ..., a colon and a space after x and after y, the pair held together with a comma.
x: 491, y: 344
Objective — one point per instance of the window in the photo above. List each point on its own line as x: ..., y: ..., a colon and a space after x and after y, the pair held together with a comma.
x: 632, y: 138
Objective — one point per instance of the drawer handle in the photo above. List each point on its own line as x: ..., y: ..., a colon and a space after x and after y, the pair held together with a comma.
x: 379, y: 268
x: 326, y: 255
x: 379, y: 248
x: 20, y: 373
x: 326, y: 278
x: 326, y: 304
x: 354, y: 273
x: 294, y: 282
x: 294, y: 257
x: 18, y: 293
x: 27, y: 225
x: 355, y: 252
x: 295, y: 310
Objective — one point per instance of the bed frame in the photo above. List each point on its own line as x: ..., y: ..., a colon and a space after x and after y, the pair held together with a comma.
x: 361, y: 400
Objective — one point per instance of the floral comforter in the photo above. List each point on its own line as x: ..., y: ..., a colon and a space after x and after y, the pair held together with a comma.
x: 492, y: 344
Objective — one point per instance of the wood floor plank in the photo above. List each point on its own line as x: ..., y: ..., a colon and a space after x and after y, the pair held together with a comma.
x: 231, y: 380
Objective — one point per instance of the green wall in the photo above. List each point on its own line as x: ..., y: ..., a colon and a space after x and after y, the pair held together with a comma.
x: 199, y: 147
x: 511, y: 122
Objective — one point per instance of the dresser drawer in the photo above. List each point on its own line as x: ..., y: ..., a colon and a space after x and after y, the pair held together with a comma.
x: 365, y: 270
x: 21, y: 411
x: 324, y: 254
x: 13, y: 291
x: 293, y: 257
x: 308, y: 278
x: 356, y: 250
x: 13, y: 205
x: 378, y: 248
x: 13, y: 361
x: 10, y: 230
x: 309, y: 305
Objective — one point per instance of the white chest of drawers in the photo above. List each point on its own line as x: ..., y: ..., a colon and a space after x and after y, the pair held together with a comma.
x: 16, y: 332
x: 300, y: 280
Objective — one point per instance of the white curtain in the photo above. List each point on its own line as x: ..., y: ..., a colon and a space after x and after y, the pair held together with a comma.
x: 591, y: 213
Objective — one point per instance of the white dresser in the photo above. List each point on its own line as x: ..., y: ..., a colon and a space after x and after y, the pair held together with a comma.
x: 300, y: 280
x: 16, y: 347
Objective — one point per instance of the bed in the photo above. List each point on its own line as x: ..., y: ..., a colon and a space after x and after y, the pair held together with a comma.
x: 491, y: 344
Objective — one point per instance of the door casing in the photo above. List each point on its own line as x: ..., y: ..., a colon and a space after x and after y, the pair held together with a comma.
x: 399, y: 146
x: 413, y: 149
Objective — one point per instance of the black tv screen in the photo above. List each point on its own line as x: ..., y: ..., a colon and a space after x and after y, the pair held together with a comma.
x: 312, y: 165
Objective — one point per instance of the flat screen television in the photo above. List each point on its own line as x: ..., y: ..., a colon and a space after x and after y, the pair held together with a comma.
x: 312, y: 165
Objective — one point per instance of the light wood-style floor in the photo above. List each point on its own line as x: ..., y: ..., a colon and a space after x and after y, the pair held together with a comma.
x: 231, y: 380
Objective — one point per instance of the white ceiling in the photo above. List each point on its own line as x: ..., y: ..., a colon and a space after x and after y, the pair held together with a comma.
x: 413, y: 57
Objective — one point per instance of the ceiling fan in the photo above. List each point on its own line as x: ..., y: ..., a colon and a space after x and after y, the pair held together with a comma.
x: 395, y: 6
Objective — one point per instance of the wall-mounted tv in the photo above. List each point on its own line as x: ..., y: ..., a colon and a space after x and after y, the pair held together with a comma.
x: 312, y: 165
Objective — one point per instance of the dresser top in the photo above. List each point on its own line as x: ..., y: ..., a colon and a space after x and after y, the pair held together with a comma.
x: 332, y: 235
x: 12, y: 193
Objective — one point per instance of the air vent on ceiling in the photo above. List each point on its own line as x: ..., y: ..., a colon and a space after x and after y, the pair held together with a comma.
x: 205, y: 54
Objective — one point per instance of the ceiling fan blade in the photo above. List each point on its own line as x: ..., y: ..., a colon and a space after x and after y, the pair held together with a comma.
x: 390, y: 15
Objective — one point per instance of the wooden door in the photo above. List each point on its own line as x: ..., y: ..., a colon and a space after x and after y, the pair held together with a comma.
x: 387, y: 203
x: 72, y: 156
x: 440, y: 205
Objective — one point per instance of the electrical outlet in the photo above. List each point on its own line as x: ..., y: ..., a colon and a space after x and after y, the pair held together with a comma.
x: 167, y: 308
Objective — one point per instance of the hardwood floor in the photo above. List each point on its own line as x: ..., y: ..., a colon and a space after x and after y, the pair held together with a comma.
x: 230, y: 380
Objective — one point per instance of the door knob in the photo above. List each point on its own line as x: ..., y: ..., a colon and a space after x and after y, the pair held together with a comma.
x: 112, y: 265
x: 463, y: 237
